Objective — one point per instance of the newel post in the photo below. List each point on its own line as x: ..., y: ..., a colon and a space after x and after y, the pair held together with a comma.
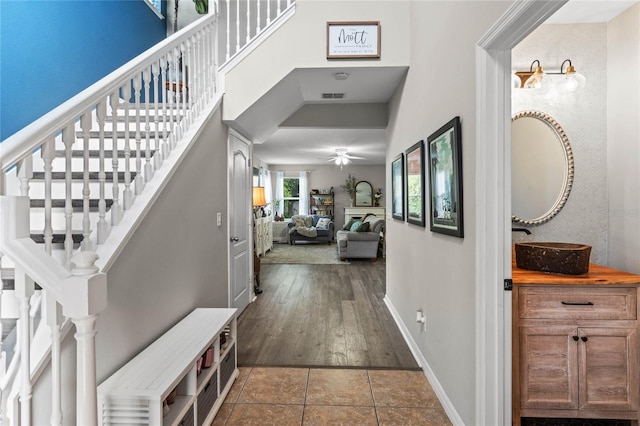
x: 90, y: 290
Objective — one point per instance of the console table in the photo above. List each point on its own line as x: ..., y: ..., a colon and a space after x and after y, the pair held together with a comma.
x: 193, y: 365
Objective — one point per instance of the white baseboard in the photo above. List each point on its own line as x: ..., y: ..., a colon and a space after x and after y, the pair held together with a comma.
x: 422, y: 362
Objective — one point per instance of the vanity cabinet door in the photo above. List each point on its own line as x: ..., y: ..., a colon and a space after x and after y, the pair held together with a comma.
x: 548, y: 367
x: 608, y: 368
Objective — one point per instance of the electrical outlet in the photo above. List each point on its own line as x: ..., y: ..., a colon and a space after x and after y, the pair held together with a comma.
x: 219, y: 219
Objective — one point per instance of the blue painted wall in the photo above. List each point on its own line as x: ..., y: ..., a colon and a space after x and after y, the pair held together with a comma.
x: 51, y: 50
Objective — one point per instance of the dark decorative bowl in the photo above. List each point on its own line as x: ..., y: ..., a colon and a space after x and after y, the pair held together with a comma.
x: 559, y: 258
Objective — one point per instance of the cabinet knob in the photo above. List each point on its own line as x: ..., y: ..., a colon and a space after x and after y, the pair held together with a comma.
x: 235, y: 239
x: 576, y: 338
x: 584, y: 339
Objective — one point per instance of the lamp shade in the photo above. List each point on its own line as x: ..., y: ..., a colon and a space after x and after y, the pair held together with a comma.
x: 259, y: 199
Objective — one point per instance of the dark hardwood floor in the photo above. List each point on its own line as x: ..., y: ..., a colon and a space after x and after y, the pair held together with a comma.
x: 322, y: 315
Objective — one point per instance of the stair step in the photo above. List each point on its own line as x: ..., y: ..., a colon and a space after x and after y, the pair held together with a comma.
x: 76, y: 204
x: 94, y: 153
x: 58, y: 238
x: 80, y: 176
x: 120, y: 134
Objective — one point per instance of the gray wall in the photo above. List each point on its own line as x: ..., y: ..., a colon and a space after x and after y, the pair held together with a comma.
x: 583, y: 116
x: 623, y: 140
x: 429, y: 271
x: 177, y: 259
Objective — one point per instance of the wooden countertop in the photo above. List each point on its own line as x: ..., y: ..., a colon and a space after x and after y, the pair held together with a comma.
x: 597, y: 275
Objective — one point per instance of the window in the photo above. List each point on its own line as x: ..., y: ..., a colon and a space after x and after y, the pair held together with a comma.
x: 291, y: 199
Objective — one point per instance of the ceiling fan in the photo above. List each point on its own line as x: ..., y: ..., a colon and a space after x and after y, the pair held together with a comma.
x: 342, y: 158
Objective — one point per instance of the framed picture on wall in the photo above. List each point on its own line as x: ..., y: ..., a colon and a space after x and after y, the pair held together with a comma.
x: 414, y: 183
x: 397, y: 187
x: 445, y: 180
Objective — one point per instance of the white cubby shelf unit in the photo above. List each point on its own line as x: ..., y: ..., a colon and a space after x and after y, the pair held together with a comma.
x: 135, y: 394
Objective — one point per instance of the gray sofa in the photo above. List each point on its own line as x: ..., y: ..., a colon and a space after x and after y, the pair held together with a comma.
x: 360, y: 244
x: 324, y: 234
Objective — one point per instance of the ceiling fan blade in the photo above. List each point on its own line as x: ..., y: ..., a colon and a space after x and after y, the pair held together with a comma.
x: 351, y: 157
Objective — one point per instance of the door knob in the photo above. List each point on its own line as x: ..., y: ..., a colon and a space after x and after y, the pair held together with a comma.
x: 235, y: 239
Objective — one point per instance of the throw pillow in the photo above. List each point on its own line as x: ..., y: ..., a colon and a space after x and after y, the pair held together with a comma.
x: 355, y: 225
x: 347, y: 226
x: 363, y: 227
x: 323, y: 223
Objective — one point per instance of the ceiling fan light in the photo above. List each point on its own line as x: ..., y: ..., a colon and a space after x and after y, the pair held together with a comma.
x: 345, y: 161
x: 338, y: 160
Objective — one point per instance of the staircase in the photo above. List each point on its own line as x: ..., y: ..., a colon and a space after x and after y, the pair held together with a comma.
x: 75, y: 184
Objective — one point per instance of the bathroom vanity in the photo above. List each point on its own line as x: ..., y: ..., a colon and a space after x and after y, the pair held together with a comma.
x: 575, y: 345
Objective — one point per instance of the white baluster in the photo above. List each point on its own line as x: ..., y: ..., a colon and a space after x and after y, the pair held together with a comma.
x: 48, y: 153
x: 24, y: 286
x: 85, y: 123
x: 127, y: 194
x: 258, y: 8
x: 183, y: 88
x: 54, y: 317
x: 138, y: 181
x: 175, y: 74
x: 25, y: 174
x: 68, y: 138
x: 164, y: 67
x: 189, y: 81
x: 148, y: 167
x: 87, y: 404
x: 102, y: 225
x: 93, y: 286
x: 170, y: 96
x: 116, y: 210
x: 228, y: 31
x: 279, y: 10
x: 237, y: 26
x: 248, y: 38
x: 213, y: 64
x: 268, y: 12
x: 155, y: 81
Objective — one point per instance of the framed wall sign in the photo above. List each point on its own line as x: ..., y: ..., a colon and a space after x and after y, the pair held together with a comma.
x: 397, y: 187
x: 445, y: 178
x: 347, y: 40
x: 414, y: 183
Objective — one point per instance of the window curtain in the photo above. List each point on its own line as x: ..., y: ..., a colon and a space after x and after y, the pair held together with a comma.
x: 304, y: 194
x: 268, y: 190
x: 280, y: 191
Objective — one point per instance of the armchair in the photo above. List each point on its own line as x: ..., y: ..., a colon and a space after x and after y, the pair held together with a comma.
x: 360, y: 244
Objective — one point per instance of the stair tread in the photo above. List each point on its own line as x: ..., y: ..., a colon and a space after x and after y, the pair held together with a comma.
x: 120, y: 134
x: 94, y: 153
x: 80, y: 176
x: 76, y: 203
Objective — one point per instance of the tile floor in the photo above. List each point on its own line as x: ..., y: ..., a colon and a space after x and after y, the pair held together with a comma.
x: 330, y: 396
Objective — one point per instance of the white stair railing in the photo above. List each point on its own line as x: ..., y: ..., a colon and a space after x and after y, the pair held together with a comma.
x: 124, y: 129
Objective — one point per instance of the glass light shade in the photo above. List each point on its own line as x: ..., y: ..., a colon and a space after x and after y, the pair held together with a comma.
x: 570, y: 82
x: 259, y: 199
x: 539, y: 81
x: 338, y: 161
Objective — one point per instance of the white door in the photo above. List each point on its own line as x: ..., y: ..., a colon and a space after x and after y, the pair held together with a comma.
x: 239, y: 223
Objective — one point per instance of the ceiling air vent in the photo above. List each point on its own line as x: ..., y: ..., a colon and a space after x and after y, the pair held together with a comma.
x: 332, y: 95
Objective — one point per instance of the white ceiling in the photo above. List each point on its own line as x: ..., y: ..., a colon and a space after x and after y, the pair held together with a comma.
x: 313, y: 137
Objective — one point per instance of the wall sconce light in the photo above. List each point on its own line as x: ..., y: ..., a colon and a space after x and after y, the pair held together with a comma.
x: 541, y: 82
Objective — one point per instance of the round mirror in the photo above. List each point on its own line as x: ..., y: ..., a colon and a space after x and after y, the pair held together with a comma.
x: 364, y: 194
x: 541, y: 168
